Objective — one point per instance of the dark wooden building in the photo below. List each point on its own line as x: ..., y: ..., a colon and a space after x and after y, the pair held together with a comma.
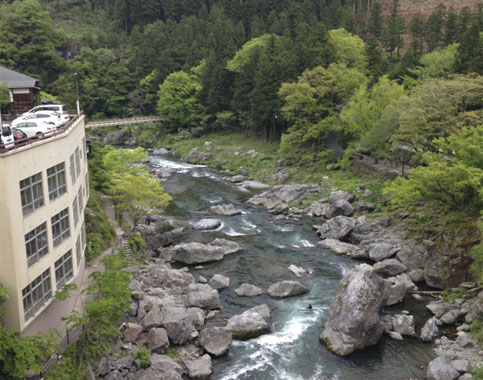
x: 23, y: 92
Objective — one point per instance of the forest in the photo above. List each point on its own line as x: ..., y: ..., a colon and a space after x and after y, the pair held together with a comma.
x: 301, y: 73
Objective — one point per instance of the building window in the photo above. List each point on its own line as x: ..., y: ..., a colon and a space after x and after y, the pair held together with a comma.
x: 63, y: 269
x: 77, y: 162
x: 85, y: 149
x: 78, y: 251
x: 36, y: 294
x: 31, y: 193
x: 36, y: 244
x: 81, y: 200
x: 60, y: 227
x: 75, y: 211
x: 56, y: 181
x: 86, y: 186
x: 83, y: 235
x: 72, y: 168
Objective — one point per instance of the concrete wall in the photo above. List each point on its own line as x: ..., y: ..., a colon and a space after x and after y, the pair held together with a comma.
x: 19, y: 164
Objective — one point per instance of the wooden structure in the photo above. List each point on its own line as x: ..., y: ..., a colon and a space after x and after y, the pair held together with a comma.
x: 23, y: 92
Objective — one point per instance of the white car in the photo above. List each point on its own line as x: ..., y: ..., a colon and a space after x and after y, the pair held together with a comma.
x: 60, y: 108
x: 49, y: 117
x: 35, y: 128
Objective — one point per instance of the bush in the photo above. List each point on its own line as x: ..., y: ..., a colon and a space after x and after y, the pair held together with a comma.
x: 144, y: 356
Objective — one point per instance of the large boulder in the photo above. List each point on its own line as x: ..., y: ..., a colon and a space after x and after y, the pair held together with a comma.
x: 355, y: 319
x: 342, y: 248
x: 207, y: 224
x: 158, y: 340
x: 284, y: 289
x: 429, y: 332
x: 403, y: 324
x: 154, y: 318
x: 248, y: 290
x: 225, y: 209
x: 336, y: 228
x: 277, y: 195
x: 199, y: 368
x: 219, y: 281
x: 250, y: 324
x: 178, y: 324
x: 131, y: 332
x: 227, y: 245
x: 162, y: 277
x: 390, y: 267
x: 163, y: 368
x: 441, y: 369
x: 196, y: 253
x: 216, y: 340
x: 381, y: 250
x: 203, y: 296
x: 297, y: 271
x: 160, y: 152
x: 338, y: 195
x: 318, y: 208
x: 339, y: 207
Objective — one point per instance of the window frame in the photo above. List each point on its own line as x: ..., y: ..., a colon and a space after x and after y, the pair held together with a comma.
x: 56, y: 176
x: 31, y: 187
x: 61, y: 222
x: 38, y: 238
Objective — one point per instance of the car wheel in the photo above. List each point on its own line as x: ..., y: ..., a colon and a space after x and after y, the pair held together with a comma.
x: 40, y: 135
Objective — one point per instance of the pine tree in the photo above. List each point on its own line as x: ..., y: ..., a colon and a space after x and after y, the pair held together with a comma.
x: 434, y: 28
x: 375, y: 61
x: 375, y: 21
x: 394, y: 31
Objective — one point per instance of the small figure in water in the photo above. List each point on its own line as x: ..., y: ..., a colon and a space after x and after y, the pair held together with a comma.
x: 148, y: 220
x: 310, y: 306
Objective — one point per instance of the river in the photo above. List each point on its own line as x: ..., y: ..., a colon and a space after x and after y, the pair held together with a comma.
x: 293, y: 350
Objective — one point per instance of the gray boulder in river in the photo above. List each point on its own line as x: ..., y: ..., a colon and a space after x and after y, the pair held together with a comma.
x: 196, y: 253
x: 216, y: 340
x: 355, y: 319
x: 207, y: 224
x: 279, y: 195
x: 336, y: 228
x: 225, y: 210
x: 284, y: 289
x: 251, y: 323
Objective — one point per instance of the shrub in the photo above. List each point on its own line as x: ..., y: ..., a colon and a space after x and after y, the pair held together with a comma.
x: 144, y: 356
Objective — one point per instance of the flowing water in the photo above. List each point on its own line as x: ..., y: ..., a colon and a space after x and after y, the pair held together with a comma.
x: 293, y: 350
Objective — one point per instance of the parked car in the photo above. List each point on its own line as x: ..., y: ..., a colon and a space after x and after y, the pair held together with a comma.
x: 18, y: 134
x: 35, y: 128
x: 49, y: 117
x: 7, y: 138
x: 60, y: 108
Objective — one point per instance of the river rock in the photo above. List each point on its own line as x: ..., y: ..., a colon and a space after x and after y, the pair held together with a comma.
x: 225, y: 209
x: 248, y: 290
x: 249, y: 324
x: 158, y: 340
x: 297, y: 271
x: 318, y: 208
x: 199, y: 368
x: 390, y: 267
x: 336, y: 228
x: 164, y: 367
x: 196, y: 253
x: 355, y: 316
x: 403, y: 324
x: 216, y: 340
x: 227, y: 245
x: 429, y: 332
x: 131, y: 332
x: 162, y: 277
x: 178, y: 324
x: 203, y: 296
x: 441, y: 369
x: 395, y: 335
x: 207, y: 224
x: 451, y: 316
x: 284, y: 289
x: 397, y: 293
x: 238, y: 178
x: 154, y: 318
x: 339, y: 207
x: 253, y: 186
x: 365, y: 206
x: 417, y: 275
x: 219, y: 281
x: 160, y: 152
x: 342, y: 248
x: 277, y: 195
x: 381, y: 251
x: 337, y: 195
x: 440, y: 307
x: 158, y: 240
x: 413, y: 256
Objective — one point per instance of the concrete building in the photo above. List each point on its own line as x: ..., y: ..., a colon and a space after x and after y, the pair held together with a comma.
x: 43, y: 192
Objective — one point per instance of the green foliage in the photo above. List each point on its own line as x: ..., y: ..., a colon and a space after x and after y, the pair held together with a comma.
x: 99, y: 229
x: 452, y: 177
x: 144, y: 356
x: 477, y: 330
x: 246, y: 53
x: 172, y: 352
x: 349, y: 49
x: 477, y: 254
x: 437, y: 64
x: 451, y: 296
x: 179, y: 100
x: 64, y: 293
x: 477, y: 373
x: 4, y: 94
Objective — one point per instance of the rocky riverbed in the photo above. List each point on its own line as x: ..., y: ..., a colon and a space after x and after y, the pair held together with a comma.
x: 212, y: 317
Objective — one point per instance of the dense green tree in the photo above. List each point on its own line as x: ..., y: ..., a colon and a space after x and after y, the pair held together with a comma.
x: 394, y: 30
x: 437, y: 64
x: 375, y: 60
x: 470, y: 50
x: 435, y: 28
x: 348, y: 49
x: 375, y: 23
x: 28, y: 40
x: 179, y: 101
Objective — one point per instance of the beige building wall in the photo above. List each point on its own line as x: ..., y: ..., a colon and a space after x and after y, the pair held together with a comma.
x: 17, y: 165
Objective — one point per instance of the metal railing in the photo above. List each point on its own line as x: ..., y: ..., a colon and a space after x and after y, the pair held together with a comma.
x: 127, y: 121
x: 32, y: 140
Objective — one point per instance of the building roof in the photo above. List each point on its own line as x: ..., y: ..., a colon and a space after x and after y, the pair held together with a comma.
x: 16, y: 80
